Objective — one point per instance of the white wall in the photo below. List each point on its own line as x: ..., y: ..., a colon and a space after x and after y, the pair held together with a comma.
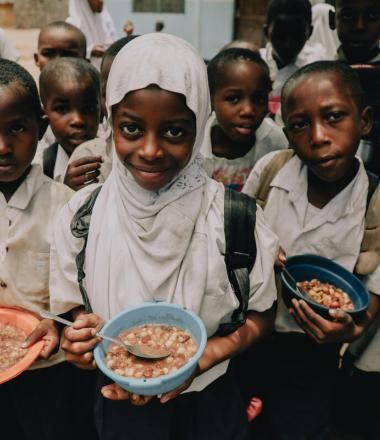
x: 207, y: 24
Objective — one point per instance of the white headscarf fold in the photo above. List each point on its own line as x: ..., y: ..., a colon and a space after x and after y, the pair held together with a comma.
x: 146, y: 245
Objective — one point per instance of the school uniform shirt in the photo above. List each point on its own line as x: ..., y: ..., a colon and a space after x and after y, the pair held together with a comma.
x: 26, y: 229
x: 95, y: 147
x: 7, y: 50
x: 60, y: 165
x: 234, y: 172
x: 335, y: 231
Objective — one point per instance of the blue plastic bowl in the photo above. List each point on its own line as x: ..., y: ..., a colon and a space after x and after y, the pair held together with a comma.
x: 153, y: 313
x: 306, y: 267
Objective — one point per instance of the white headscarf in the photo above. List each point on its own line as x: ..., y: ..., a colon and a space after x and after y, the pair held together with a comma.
x: 322, y: 33
x: 139, y: 240
x: 97, y: 27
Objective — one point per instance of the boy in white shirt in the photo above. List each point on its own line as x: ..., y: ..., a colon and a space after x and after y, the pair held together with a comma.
x: 316, y: 204
x: 39, y: 399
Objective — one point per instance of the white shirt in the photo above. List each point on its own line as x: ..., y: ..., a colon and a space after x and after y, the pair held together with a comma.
x: 335, y: 231
x: 234, y: 172
x: 219, y: 300
x: 60, y: 165
x: 26, y: 229
x: 7, y: 50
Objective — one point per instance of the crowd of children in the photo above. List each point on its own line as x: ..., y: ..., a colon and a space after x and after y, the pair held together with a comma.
x: 153, y: 145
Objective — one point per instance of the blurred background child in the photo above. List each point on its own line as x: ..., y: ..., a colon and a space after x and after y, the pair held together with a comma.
x: 70, y: 94
x: 96, y: 23
x: 316, y: 202
x: 237, y: 133
x: 7, y: 50
x: 358, y: 27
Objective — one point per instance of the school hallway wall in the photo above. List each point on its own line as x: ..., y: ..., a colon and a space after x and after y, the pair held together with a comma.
x: 207, y: 24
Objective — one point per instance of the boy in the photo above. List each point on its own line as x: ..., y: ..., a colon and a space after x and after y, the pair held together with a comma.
x: 237, y: 133
x: 358, y: 27
x: 39, y: 399
x: 288, y: 27
x: 315, y: 201
x: 70, y: 94
x: 59, y: 39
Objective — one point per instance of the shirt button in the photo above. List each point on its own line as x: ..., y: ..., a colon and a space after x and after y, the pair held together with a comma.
x: 3, y: 284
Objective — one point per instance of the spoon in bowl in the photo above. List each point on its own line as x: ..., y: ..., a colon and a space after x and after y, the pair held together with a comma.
x: 140, y: 350
x: 301, y: 291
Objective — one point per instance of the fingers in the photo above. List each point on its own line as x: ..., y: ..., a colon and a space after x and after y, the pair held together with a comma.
x: 47, y: 331
x: 172, y: 394
x: 308, y: 320
x: 115, y: 392
x: 83, y: 171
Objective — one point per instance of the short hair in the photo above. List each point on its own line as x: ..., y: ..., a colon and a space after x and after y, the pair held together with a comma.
x: 232, y: 55
x: 82, y: 43
x: 66, y: 70
x: 117, y: 45
x: 297, y: 8
x: 11, y: 72
x: 350, y: 79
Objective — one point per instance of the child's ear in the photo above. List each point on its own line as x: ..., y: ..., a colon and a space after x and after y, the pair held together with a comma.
x: 366, y: 120
x: 36, y: 61
x: 332, y: 20
x: 43, y: 126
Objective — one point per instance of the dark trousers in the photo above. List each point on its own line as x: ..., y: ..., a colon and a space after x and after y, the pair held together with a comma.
x: 357, y: 404
x: 216, y: 413
x: 296, y: 379
x: 54, y: 403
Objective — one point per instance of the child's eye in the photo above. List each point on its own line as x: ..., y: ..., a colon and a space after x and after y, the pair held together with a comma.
x: 174, y: 132
x: 335, y: 116
x: 233, y: 99
x: 374, y: 15
x: 297, y: 125
x: 130, y: 129
x: 347, y: 15
x: 17, y: 129
x: 61, y: 109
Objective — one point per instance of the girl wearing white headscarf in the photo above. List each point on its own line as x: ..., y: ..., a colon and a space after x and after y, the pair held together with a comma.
x: 162, y: 244
x: 96, y: 23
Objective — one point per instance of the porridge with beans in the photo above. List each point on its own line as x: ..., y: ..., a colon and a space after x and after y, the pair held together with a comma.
x: 327, y: 295
x: 179, y: 343
x: 11, y: 352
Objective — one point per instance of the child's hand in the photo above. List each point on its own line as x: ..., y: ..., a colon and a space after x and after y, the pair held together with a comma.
x: 83, y: 171
x: 280, y: 260
x: 80, y: 339
x: 323, y: 331
x: 48, y: 332
x: 115, y: 392
x: 98, y: 50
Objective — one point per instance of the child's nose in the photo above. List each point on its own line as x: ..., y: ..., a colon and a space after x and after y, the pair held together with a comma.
x: 150, y: 148
x: 4, y: 146
x: 77, y: 118
x: 247, y: 109
x: 318, y: 135
x: 360, y: 23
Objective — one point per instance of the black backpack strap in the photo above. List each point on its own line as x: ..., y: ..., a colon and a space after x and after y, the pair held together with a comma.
x: 49, y: 158
x: 373, y: 183
x: 80, y: 225
x: 240, y: 256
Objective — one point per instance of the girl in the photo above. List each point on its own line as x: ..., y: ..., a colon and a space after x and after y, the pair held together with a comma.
x: 96, y: 23
x: 159, y: 216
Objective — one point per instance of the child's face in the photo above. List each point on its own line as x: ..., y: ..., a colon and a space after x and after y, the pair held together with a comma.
x: 154, y: 133
x: 57, y: 43
x: 240, y: 100
x: 358, y: 27
x: 288, y: 35
x: 73, y: 110
x: 96, y: 5
x: 20, y: 131
x: 324, y: 125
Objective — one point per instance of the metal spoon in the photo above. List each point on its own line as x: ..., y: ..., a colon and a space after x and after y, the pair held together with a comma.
x: 301, y: 291
x: 142, y: 351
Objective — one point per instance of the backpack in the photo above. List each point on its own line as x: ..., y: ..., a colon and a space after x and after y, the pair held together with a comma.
x: 240, y: 254
x: 369, y: 257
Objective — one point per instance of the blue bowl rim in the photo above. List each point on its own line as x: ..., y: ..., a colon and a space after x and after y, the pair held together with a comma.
x: 99, y: 353
x: 332, y: 263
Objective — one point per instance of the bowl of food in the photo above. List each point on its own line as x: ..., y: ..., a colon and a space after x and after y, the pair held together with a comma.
x: 158, y: 325
x: 324, y: 285
x: 15, y: 326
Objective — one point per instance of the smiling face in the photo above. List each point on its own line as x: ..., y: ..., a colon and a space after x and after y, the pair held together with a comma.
x: 73, y: 110
x: 324, y: 125
x: 20, y: 130
x: 240, y: 99
x: 154, y: 133
x: 55, y: 43
x: 358, y: 27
